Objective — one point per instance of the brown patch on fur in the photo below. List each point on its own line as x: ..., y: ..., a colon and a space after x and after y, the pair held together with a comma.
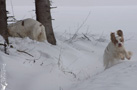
x: 113, y: 38
x: 120, y: 33
x: 22, y: 23
x: 40, y: 25
x: 39, y: 36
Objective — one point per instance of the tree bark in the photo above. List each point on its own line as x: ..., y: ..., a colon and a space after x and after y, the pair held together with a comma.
x: 43, y: 15
x: 3, y: 20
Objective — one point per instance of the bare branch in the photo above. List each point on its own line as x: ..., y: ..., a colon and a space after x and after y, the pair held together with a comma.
x: 52, y: 7
x: 25, y: 53
x: 86, y: 36
x: 82, y: 24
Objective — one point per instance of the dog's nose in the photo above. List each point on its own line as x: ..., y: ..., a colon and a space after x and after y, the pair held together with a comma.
x: 119, y: 44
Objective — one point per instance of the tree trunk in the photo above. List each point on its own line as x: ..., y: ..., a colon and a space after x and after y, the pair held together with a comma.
x: 43, y: 15
x: 3, y: 20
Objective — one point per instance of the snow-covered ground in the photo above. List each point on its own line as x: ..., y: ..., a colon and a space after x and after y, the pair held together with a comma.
x: 74, y: 63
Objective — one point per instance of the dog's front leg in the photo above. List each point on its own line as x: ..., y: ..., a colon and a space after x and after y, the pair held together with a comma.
x: 128, y: 54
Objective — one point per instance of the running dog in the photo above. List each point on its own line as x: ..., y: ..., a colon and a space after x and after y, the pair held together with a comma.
x: 115, y: 50
x: 28, y: 28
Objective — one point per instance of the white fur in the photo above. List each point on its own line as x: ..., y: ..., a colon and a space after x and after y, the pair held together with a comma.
x: 113, y: 54
x: 28, y: 28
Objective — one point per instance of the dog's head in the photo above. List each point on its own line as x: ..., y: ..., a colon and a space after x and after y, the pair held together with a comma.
x: 118, y: 39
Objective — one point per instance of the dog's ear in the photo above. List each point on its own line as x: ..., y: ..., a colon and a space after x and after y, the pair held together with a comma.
x: 113, y: 38
x: 120, y: 33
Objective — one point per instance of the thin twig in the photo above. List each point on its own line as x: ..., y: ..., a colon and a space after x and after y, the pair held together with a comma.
x: 86, y: 36
x: 25, y: 53
x: 12, y: 7
x: 5, y: 47
x: 34, y: 60
x: 99, y: 38
x: 61, y: 66
x: 82, y: 24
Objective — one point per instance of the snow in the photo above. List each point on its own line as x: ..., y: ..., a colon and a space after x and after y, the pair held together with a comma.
x: 119, y: 77
x: 74, y: 63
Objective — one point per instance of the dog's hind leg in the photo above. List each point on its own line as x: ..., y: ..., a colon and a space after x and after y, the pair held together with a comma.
x: 42, y: 35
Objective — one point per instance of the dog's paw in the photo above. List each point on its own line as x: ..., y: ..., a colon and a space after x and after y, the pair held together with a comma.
x: 128, y: 58
x: 123, y: 58
x: 129, y: 54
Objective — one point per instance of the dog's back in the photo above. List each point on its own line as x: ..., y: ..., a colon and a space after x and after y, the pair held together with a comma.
x: 28, y: 28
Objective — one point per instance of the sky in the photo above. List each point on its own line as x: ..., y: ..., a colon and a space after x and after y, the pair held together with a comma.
x: 95, y: 2
x: 78, y: 2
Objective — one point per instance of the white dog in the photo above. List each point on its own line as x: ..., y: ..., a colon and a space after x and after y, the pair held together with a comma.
x: 115, y: 50
x: 28, y: 28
